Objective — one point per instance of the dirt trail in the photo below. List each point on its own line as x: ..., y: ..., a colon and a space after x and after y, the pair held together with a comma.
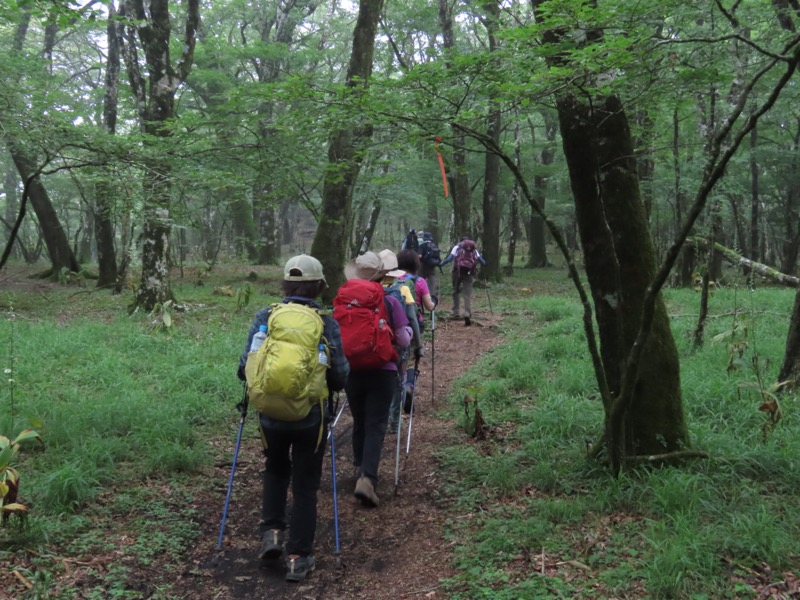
x: 397, y: 550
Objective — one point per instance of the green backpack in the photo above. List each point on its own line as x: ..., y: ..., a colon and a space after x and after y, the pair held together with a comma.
x: 286, y: 377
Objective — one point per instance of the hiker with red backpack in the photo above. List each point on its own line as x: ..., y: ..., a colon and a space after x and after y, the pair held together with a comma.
x: 375, y: 330
x: 288, y: 379
x: 465, y: 258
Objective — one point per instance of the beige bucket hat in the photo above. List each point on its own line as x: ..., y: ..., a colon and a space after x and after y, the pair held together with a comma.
x: 367, y: 266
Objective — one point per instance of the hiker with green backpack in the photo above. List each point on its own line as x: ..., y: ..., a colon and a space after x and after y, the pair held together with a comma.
x: 289, y: 378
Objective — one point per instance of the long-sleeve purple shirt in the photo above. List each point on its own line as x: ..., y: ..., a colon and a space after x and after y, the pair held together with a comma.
x: 400, y: 326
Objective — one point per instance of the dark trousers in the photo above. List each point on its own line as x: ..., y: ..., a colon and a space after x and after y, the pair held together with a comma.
x: 292, y: 456
x: 369, y: 394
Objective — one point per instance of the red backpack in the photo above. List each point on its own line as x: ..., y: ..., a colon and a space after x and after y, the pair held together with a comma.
x: 466, y: 257
x: 367, y: 335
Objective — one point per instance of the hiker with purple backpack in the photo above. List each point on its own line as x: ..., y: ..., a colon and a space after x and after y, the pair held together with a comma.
x: 465, y: 258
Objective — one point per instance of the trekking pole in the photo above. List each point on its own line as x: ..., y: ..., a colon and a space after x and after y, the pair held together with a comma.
x: 411, y: 408
x: 489, y: 297
x: 332, y: 435
x: 403, y: 369
x: 433, y: 357
x: 338, y: 414
x: 242, y: 406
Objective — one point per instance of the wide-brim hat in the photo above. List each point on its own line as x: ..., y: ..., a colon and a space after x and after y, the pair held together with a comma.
x: 303, y: 268
x: 367, y: 266
x: 389, y: 259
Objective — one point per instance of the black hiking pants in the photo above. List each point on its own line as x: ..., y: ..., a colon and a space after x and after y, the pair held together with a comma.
x: 369, y: 394
x: 292, y: 456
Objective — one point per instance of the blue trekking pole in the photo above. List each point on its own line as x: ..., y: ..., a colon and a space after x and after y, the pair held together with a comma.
x: 242, y: 406
x: 337, y: 553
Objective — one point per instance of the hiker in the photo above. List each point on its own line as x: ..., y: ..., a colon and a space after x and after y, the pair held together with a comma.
x: 294, y: 449
x: 430, y: 257
x: 465, y: 258
x: 393, y: 284
x: 372, y: 350
x: 411, y: 241
x: 408, y: 261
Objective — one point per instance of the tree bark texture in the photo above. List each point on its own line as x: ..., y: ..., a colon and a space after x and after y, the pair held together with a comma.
x: 346, y: 147
x: 791, y: 211
x: 620, y: 263
x: 457, y: 174
x: 55, y: 238
x: 103, y: 222
x: 538, y: 253
x: 156, y: 102
x: 491, y: 178
x: 514, y: 227
x: 790, y: 371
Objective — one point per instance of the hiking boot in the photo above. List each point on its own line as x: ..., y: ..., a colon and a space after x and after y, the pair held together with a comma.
x: 467, y: 321
x: 297, y: 567
x: 391, y: 428
x: 365, y: 492
x: 271, y: 544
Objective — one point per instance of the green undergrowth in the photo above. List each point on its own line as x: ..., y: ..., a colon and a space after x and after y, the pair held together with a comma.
x: 533, y: 517
x: 133, y: 411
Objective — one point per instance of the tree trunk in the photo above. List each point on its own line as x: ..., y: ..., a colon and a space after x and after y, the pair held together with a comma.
x: 751, y: 266
x: 688, y: 256
x: 491, y: 179
x: 55, y: 238
x: 754, y: 200
x: 156, y: 104
x: 514, y: 228
x: 791, y: 240
x: 10, y: 188
x: 699, y: 330
x: 346, y: 149
x: 538, y: 253
x: 645, y: 159
x: 790, y: 371
x: 103, y: 222
x: 620, y: 263
x: 369, y: 231
x: 457, y: 177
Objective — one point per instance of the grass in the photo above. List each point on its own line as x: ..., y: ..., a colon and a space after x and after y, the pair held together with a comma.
x: 546, y: 522
x: 127, y: 408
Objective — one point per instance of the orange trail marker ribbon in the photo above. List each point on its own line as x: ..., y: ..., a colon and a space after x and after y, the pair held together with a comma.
x: 441, y: 167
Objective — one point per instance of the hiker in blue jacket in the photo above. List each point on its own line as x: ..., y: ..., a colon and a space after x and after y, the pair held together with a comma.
x: 293, y: 450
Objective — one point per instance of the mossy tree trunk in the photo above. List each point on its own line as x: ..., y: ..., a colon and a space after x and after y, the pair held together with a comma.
x: 538, y: 252
x: 790, y: 371
x: 620, y: 264
x: 457, y: 175
x: 346, y: 148
x: 104, y: 217
x: 155, y: 98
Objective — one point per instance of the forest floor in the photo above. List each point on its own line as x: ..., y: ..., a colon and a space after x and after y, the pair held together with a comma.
x: 397, y: 550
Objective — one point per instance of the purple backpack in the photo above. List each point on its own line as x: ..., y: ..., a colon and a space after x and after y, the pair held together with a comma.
x: 466, y: 257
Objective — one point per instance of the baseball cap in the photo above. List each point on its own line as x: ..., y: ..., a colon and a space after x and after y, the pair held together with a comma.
x: 303, y: 268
